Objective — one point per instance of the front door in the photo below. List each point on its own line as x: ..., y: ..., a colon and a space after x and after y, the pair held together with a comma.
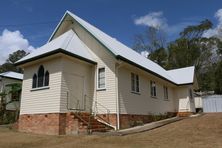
x: 76, y: 92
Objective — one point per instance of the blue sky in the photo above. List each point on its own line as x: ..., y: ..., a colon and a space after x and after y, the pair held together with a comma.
x: 36, y: 19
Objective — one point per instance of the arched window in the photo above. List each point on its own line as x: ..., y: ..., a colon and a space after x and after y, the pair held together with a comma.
x: 46, y: 82
x: 34, y: 81
x: 41, y: 76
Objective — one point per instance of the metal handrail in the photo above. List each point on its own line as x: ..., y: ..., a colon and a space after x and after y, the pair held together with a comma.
x: 89, y: 106
x: 96, y: 109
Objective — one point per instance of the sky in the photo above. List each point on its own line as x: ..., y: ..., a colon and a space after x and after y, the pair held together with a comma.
x: 28, y: 24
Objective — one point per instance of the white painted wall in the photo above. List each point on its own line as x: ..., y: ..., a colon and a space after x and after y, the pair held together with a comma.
x: 143, y: 103
x: 42, y: 101
x: 186, y: 104
x: 77, y: 81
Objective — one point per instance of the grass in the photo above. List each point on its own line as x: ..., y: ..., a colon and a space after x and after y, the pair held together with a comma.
x: 204, y: 131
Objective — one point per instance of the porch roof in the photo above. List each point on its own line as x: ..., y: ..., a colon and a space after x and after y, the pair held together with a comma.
x: 12, y: 75
x: 67, y: 43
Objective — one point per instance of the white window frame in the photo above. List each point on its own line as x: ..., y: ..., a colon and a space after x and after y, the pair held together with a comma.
x: 135, y: 83
x: 165, y: 93
x: 103, y: 88
x: 152, y: 89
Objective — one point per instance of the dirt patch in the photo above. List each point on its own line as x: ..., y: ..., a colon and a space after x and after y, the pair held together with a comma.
x: 204, y: 131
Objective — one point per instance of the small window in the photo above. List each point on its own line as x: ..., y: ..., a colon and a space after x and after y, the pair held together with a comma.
x: 41, y: 76
x: 165, y: 89
x: 153, y: 88
x: 34, y: 81
x: 135, y: 83
x: 46, y: 82
x: 101, y: 78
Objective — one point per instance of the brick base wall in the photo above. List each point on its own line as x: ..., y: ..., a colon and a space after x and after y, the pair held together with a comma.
x: 184, y: 114
x: 129, y: 120
x: 65, y: 123
x: 50, y: 124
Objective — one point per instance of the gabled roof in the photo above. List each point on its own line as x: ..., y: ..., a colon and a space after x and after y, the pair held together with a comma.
x: 67, y: 42
x: 182, y: 75
x: 12, y: 75
x: 123, y: 52
x: 119, y: 50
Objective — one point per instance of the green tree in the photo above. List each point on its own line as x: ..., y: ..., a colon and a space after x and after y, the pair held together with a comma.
x: 14, y: 88
x: 9, y: 64
x: 159, y: 56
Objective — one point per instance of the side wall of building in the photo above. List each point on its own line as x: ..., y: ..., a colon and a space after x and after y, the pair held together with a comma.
x: 143, y: 103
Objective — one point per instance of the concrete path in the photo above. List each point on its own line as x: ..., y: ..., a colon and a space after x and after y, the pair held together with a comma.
x: 142, y: 128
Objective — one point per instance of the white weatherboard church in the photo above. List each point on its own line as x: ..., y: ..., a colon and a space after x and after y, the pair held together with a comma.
x: 83, y: 79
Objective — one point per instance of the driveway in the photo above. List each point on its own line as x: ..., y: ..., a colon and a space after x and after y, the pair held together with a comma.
x: 197, y: 132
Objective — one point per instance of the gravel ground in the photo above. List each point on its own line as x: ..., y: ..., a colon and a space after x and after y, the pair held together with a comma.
x: 197, y: 132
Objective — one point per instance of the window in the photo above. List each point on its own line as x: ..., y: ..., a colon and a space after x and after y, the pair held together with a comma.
x: 101, y: 78
x: 135, y: 83
x: 34, y: 81
x: 41, y: 78
x: 165, y: 89
x: 153, y: 88
x: 46, y: 83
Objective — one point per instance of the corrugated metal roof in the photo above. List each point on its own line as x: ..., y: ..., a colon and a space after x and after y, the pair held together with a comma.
x: 182, y: 75
x: 117, y: 48
x: 13, y: 75
x: 68, y: 41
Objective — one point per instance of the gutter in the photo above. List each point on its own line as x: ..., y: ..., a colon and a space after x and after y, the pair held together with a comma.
x: 55, y: 52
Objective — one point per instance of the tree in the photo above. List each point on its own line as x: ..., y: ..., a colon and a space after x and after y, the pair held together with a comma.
x: 14, y: 88
x: 159, y: 56
x: 9, y: 64
x: 218, y: 78
x: 150, y: 41
x: 191, y: 48
x: 15, y: 56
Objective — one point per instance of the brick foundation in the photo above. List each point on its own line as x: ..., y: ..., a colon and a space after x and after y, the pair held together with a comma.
x: 50, y: 124
x: 130, y: 120
x: 184, y: 114
x: 65, y: 123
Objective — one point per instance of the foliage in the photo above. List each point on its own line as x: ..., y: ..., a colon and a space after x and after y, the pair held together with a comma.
x: 150, y: 41
x: 9, y: 64
x: 191, y: 48
x: 6, y: 117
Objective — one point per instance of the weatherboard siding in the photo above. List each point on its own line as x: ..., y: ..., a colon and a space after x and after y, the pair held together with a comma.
x: 185, y: 103
x: 104, y: 58
x: 72, y: 68
x: 142, y: 103
x: 42, y: 101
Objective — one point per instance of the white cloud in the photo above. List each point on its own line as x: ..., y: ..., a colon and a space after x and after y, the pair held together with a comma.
x: 217, y: 31
x: 153, y: 19
x: 11, y: 41
x: 158, y: 21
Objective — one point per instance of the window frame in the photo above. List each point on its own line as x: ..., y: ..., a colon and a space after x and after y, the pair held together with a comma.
x: 165, y: 93
x: 34, y: 81
x: 153, y: 89
x: 98, y: 78
x: 37, y: 87
x: 41, y: 72
x: 135, y: 83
